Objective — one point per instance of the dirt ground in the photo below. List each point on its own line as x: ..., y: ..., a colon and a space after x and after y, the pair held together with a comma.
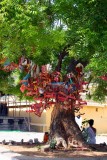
x: 34, y: 151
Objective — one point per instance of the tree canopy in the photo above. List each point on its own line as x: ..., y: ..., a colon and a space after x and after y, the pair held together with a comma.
x: 54, y: 32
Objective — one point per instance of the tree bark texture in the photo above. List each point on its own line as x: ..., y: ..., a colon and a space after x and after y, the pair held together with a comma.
x: 63, y: 126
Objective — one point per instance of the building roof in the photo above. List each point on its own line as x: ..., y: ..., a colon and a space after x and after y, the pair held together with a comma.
x: 13, y: 101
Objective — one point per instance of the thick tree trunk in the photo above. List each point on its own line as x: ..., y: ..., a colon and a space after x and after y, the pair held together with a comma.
x: 64, y: 129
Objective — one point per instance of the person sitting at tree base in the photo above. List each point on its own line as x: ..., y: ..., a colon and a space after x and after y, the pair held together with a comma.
x: 46, y: 137
x: 89, y: 133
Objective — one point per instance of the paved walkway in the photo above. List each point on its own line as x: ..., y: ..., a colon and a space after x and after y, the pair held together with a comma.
x: 26, y: 136
x: 17, y: 136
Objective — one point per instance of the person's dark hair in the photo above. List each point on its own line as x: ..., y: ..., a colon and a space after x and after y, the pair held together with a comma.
x: 91, y: 122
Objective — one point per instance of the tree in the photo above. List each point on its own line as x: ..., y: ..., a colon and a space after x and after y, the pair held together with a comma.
x: 62, y: 34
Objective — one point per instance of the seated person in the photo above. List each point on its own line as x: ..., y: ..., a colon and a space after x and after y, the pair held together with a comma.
x: 91, y: 132
x: 46, y: 137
